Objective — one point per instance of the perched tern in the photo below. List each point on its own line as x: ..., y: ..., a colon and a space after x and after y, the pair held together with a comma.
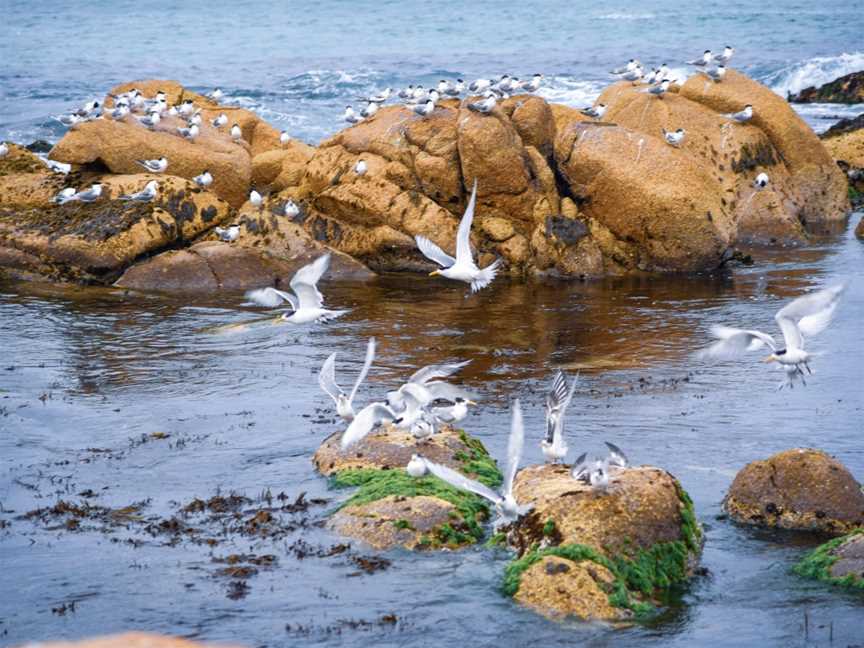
x: 452, y: 413
x: 659, y: 89
x: 360, y: 168
x: 64, y: 196
x: 228, y: 234
x: 725, y: 56
x: 596, y: 112
x: 204, y: 180
x: 90, y: 195
x: 742, y: 116
x: 220, y: 121
x: 462, y: 267
x: 215, y: 95
x: 4, y: 149
x: 715, y: 74
x: 150, y: 120
x: 479, y: 86
x: 484, y: 106
x: 190, y: 132
x: 417, y: 466
x: 291, y: 209
x: 705, y: 60
x: 154, y: 166
x: 761, y: 181
x: 236, y: 132
x: 424, y: 110
x: 255, y: 198
x: 284, y: 138
x: 350, y: 116
x: 370, y: 109
x: 147, y: 194
x: 674, y: 138
x: 632, y: 64
x: 327, y: 381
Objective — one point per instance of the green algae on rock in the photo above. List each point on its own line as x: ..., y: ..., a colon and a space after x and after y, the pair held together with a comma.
x: 839, y: 562
x: 606, y: 556
x: 390, y: 508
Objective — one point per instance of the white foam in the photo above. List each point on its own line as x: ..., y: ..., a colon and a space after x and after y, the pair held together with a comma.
x: 625, y: 15
x: 814, y: 72
x: 570, y: 91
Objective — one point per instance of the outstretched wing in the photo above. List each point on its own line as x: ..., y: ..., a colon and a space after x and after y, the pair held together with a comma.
x: 514, y: 448
x: 327, y: 378
x: 732, y: 342
x: 271, y: 298
x: 616, y: 456
x: 432, y: 372
x: 365, y: 421
x: 555, y: 402
x: 367, y: 363
x: 433, y: 252
x: 304, y: 283
x: 463, y: 235
x: 808, y: 315
x: 445, y: 391
x: 580, y: 468
x: 462, y: 482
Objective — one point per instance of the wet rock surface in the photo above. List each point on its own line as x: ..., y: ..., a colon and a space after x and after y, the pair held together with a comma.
x: 801, y: 489
x: 848, y: 89
x: 838, y: 562
x: 600, y: 554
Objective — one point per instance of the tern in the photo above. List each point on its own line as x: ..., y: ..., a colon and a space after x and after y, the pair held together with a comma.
x: 484, y: 106
x: 479, y: 86
x: 705, y: 60
x: 204, y: 180
x: 424, y: 110
x: 220, y: 121
x: 632, y: 64
x: 190, y: 132
x: 370, y: 109
x: 553, y: 445
x: 4, y: 149
x: 596, y: 112
x: 360, y: 168
x: 215, y: 95
x: 284, y: 138
x: 291, y: 210
x: 462, y: 267
x: 327, y: 381
x: 187, y: 108
x: 742, y: 116
x: 147, y: 194
x: 659, y: 89
x: 761, y: 181
x: 453, y: 413
x: 255, y: 198
x: 417, y: 466
x: 430, y: 377
x: 306, y: 300
x: 726, y: 55
x: 150, y: 120
x: 715, y: 74
x: 90, y: 195
x: 365, y: 421
x: 154, y: 166
x: 236, y: 132
x: 801, y: 318
x: 350, y: 116
x: 228, y: 234
x: 64, y: 196
x: 406, y: 93
x: 674, y: 138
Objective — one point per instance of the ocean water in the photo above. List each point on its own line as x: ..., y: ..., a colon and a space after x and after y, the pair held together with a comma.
x: 299, y: 63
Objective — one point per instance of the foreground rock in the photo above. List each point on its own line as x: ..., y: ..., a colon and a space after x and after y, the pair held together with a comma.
x: 600, y: 555
x: 95, y: 242
x: 802, y: 489
x: 126, y: 640
x: 847, y: 89
x: 839, y: 562
x: 392, y: 509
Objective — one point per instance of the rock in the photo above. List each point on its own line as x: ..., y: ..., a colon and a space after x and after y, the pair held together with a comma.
x: 599, y: 555
x: 115, y: 146
x: 281, y: 168
x: 839, y: 561
x: 95, y: 242
x: 847, y: 125
x: 859, y: 229
x: 26, y: 181
x: 847, y: 89
x: 802, y: 489
x: 847, y: 147
x: 391, y: 508
x: 126, y: 640
x: 815, y: 191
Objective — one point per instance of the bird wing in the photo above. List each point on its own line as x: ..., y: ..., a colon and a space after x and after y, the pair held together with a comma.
x: 733, y: 342
x: 367, y: 363
x: 809, y: 315
x: 616, y: 456
x: 580, y: 468
x: 415, y: 395
x: 463, y: 235
x: 304, y: 283
x: 431, y: 372
x: 462, y: 482
x: 271, y: 297
x: 514, y: 448
x: 365, y: 421
x: 445, y: 391
x: 554, y: 401
x: 327, y: 378
x: 433, y: 252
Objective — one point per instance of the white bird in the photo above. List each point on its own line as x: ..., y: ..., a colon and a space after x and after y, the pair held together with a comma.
x: 461, y: 268
x: 204, y: 180
x: 370, y: 109
x: 381, y: 97
x: 4, y: 149
x: 505, y: 84
x: 505, y: 503
x: 406, y: 93
x: 195, y: 120
x: 430, y: 377
x: 596, y: 112
x: 424, y: 427
x: 632, y: 64
x: 350, y: 116
x: 255, y: 198
x: 653, y: 76
x: 674, y: 138
x: 715, y: 74
x: 659, y: 89
x: 150, y: 120
x: 443, y: 86
x: 291, y: 209
x: 663, y: 72
x: 119, y: 112
x: 154, y: 166
x: 761, y: 181
x: 455, y: 89
x: 306, y: 300
x: 71, y: 120
x: 64, y: 196
x: 452, y: 413
x: 424, y: 110
x: 705, y: 59
x: 554, y: 445
x: 219, y: 121
x: 236, y: 132
x: 186, y: 108
x: 634, y: 75
x: 55, y: 166
x: 534, y: 84
x: 366, y: 420
x: 190, y: 132
x: 417, y: 466
x: 87, y: 109
x: 617, y: 458
x: 742, y: 116
x: 479, y: 85
x: 484, y: 106
x: 360, y: 168
x: 594, y: 473
x: 147, y: 194
x: 228, y: 234
x: 215, y: 95
x: 327, y: 381
x: 90, y: 195
x: 284, y: 138
x: 805, y: 316
x: 725, y: 56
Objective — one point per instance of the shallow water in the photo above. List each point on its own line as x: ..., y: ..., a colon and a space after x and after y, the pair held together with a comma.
x: 86, y: 373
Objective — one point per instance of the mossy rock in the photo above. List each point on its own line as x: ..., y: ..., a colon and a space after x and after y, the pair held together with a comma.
x: 392, y: 509
x: 839, y: 562
x: 609, y: 555
x: 801, y: 489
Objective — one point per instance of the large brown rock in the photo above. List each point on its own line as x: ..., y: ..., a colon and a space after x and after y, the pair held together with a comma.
x: 95, y: 242
x: 802, y: 489
x: 848, y: 89
x: 127, y: 640
x: 26, y: 181
x: 281, y: 168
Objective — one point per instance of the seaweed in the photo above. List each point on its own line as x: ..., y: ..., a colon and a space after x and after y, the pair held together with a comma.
x: 478, y: 462
x: 818, y: 563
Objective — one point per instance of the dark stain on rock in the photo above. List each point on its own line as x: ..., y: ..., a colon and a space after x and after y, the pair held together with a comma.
x: 567, y: 230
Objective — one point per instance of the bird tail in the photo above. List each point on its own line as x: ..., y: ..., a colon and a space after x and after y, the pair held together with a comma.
x: 332, y: 314
x: 485, y: 276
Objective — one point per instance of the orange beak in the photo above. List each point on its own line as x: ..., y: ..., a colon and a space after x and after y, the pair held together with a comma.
x: 769, y: 358
x: 434, y: 273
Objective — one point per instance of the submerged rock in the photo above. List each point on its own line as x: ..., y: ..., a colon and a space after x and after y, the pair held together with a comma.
x: 801, y: 489
x: 600, y: 555
x: 391, y: 508
x: 848, y: 89
x: 839, y: 561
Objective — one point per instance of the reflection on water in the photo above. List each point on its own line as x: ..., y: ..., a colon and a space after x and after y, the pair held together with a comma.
x: 91, y: 368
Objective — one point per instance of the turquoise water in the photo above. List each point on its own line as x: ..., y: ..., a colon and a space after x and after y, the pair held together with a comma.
x: 299, y: 64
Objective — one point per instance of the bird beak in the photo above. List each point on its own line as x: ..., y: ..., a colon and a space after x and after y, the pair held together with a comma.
x: 470, y: 402
x: 769, y: 358
x: 434, y: 273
